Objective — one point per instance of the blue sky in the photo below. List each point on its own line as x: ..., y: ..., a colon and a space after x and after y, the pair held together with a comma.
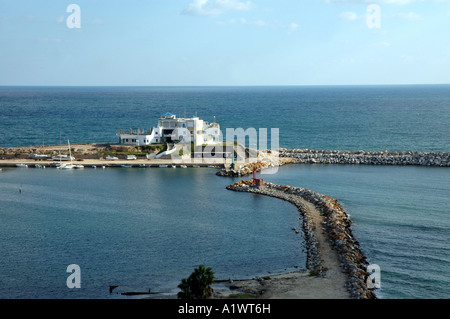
x: 224, y: 42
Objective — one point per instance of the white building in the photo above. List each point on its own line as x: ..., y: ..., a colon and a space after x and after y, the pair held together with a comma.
x: 171, y: 129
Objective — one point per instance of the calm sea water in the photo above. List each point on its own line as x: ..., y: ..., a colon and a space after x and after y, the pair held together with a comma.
x: 148, y: 228
x: 395, y: 118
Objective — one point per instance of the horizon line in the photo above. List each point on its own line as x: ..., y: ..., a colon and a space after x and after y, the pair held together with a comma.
x: 224, y: 85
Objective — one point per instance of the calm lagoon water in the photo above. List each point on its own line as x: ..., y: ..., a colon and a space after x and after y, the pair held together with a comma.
x: 136, y: 228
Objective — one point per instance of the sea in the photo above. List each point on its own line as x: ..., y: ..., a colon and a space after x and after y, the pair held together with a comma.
x: 141, y: 229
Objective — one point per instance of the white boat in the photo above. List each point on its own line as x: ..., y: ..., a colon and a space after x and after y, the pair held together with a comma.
x: 63, y: 158
x: 126, y: 165
x: 79, y: 166
x: 162, y: 166
x: 68, y: 166
x: 94, y: 166
x: 174, y: 166
x: 40, y: 156
x: 183, y: 166
x: 22, y: 165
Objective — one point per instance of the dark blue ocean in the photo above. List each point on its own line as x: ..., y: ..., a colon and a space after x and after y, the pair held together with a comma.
x: 149, y: 228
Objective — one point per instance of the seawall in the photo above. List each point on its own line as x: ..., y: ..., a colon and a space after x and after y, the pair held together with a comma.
x: 308, y: 156
x: 335, y: 223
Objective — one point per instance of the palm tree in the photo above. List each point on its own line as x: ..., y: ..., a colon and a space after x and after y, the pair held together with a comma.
x: 197, y: 285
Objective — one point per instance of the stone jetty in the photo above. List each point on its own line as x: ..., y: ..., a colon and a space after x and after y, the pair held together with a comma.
x: 335, y: 223
x: 308, y: 156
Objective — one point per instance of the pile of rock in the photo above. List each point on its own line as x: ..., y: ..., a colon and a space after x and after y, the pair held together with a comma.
x: 307, y: 156
x: 247, y: 169
x: 243, y: 170
x: 337, y: 225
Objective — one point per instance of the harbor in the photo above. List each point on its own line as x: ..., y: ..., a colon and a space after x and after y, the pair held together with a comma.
x: 94, y: 155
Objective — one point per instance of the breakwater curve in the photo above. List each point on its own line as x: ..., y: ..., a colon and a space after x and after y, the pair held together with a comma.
x: 325, y: 224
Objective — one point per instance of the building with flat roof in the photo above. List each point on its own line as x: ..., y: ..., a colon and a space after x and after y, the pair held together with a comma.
x: 171, y: 129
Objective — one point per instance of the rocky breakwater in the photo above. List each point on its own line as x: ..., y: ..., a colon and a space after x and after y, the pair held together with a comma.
x: 242, y: 170
x: 247, y: 169
x: 308, y: 156
x: 337, y: 226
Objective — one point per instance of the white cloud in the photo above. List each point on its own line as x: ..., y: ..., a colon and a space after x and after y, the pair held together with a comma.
x: 215, y: 7
x: 257, y: 23
x: 409, y: 16
x: 293, y: 26
x: 349, y: 16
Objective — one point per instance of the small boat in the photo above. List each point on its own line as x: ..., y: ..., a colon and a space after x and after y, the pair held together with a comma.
x: 66, y: 166
x: 94, y: 166
x: 40, y: 156
x: 70, y: 158
x: 78, y: 166
x: 103, y: 166
x: 162, y: 166
x: 183, y: 166
x: 196, y: 166
x: 126, y: 165
x: 174, y: 166
x: 142, y: 165
x: 63, y: 158
x: 22, y: 165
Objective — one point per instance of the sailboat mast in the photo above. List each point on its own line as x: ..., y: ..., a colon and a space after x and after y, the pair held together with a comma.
x: 70, y: 153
